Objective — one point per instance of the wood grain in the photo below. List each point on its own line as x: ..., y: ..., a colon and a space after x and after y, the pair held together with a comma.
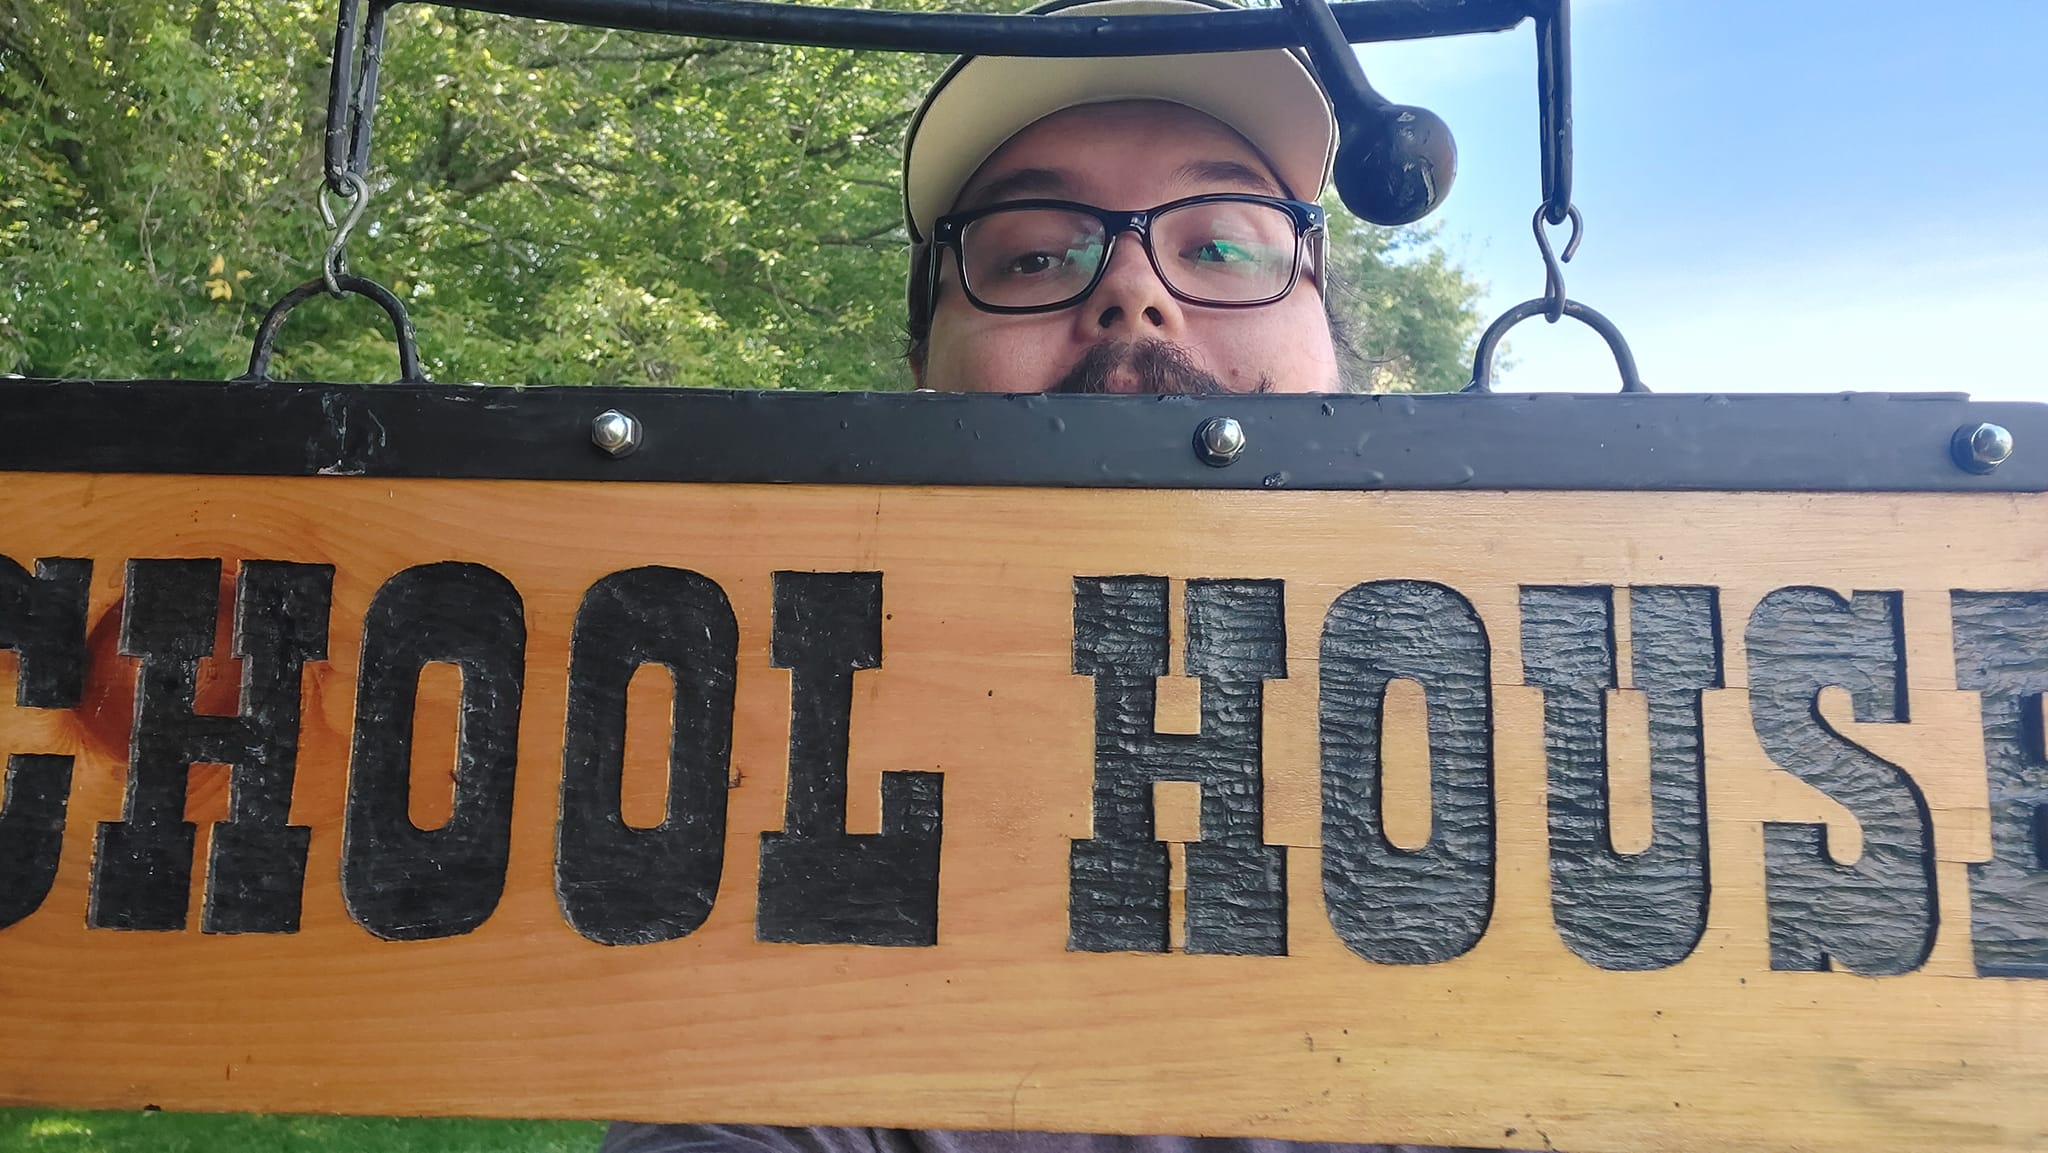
x: 1518, y: 1043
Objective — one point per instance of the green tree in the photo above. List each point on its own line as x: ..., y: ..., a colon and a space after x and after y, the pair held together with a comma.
x: 556, y: 204
x: 1410, y: 310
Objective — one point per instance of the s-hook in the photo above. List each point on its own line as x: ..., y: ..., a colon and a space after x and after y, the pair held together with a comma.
x: 1553, y: 305
x: 334, y: 266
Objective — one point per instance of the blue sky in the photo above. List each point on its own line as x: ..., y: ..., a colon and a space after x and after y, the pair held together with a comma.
x: 1791, y: 196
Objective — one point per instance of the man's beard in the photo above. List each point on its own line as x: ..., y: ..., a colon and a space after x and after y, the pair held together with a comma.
x: 1154, y: 365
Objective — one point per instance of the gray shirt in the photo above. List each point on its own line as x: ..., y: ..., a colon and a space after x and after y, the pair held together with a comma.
x: 631, y: 1137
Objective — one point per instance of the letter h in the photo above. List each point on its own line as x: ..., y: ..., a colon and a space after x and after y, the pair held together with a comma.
x: 142, y: 864
x: 1236, y: 883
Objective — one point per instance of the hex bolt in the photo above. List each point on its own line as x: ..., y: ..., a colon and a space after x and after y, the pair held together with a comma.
x: 616, y: 433
x: 1219, y: 441
x: 1979, y: 448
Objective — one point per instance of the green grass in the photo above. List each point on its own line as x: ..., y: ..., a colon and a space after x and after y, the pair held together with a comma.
x: 67, y: 1131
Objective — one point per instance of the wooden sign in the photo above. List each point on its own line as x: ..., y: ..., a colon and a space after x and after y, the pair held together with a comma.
x: 1596, y: 820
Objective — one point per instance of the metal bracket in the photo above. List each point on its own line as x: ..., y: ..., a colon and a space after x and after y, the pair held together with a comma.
x: 409, y: 371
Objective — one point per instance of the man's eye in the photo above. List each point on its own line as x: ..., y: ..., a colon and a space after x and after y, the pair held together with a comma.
x: 1050, y: 261
x: 1033, y: 263
x: 1217, y: 250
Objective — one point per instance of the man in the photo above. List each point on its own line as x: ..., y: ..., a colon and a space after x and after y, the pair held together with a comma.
x: 1127, y: 225
x: 1221, y: 294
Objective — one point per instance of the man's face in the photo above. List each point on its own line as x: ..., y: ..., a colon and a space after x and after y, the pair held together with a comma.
x: 1130, y: 334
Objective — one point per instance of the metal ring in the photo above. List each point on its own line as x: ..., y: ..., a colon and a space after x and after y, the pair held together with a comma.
x: 1482, y: 360
x: 266, y: 333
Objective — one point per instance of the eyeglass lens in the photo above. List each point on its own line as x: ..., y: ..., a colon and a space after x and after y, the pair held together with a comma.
x: 1222, y: 252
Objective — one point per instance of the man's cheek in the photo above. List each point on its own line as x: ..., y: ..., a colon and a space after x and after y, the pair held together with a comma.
x: 1018, y: 359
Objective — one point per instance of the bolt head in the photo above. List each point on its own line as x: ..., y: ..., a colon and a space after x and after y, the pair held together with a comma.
x: 616, y: 433
x: 1219, y: 440
x: 1981, y: 447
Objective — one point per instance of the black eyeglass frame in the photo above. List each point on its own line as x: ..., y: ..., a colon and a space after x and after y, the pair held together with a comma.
x: 1308, y: 219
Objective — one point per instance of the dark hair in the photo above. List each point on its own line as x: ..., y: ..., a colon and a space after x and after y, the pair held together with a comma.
x: 917, y: 324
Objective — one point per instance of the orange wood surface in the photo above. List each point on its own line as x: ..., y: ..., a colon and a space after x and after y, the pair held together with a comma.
x: 1518, y: 1043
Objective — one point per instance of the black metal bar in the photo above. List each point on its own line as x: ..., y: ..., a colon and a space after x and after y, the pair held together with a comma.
x: 1554, y: 106
x: 1855, y: 442
x: 972, y: 34
x: 1342, y: 75
x: 363, y: 102
x: 341, y: 81
x: 1395, y: 163
x: 352, y: 90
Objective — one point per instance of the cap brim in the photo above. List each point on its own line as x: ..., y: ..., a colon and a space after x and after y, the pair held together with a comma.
x: 1269, y: 97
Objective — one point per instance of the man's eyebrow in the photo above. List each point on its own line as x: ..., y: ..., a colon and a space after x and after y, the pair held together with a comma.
x: 1208, y: 173
x: 1021, y: 184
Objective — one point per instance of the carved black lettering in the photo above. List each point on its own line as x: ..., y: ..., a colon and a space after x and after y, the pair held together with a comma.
x: 42, y: 618
x: 820, y: 884
x: 1390, y: 904
x: 400, y: 881
x: 1236, y: 896
x: 619, y: 885
x: 1876, y: 916
x: 2002, y: 652
x: 1643, y: 910
x: 37, y: 788
x: 256, y: 868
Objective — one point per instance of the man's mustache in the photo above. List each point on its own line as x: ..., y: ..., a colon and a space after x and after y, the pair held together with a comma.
x: 1156, y: 365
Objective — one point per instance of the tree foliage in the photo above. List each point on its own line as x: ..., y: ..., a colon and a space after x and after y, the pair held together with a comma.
x: 555, y: 204
x: 1410, y: 309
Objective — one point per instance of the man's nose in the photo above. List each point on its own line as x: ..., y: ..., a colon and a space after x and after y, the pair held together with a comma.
x: 1130, y: 300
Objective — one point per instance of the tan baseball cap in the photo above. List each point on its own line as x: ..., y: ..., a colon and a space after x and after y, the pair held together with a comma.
x: 1271, y: 97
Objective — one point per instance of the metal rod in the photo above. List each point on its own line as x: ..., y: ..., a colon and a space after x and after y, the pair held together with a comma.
x: 1395, y: 163
x: 1554, y: 106
x: 1342, y: 75
x: 363, y: 102
x: 341, y: 79
x: 352, y: 90
x: 968, y: 34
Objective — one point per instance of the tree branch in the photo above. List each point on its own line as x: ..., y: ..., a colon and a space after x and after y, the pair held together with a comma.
x: 846, y: 144
x: 491, y: 175
x: 862, y: 239
x: 697, y: 52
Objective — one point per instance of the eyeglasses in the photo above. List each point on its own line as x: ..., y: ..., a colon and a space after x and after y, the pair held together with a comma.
x: 1226, y: 250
